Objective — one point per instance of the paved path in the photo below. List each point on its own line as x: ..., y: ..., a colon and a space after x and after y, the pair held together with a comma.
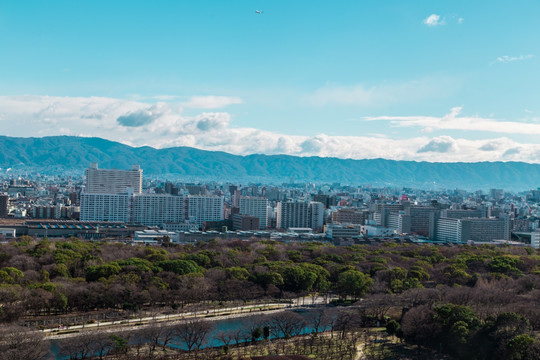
x: 213, y: 314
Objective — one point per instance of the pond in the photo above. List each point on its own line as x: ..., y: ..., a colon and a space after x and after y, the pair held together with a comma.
x: 230, y: 325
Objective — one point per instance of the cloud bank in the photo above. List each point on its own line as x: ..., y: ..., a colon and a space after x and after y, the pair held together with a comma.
x: 163, y: 125
x: 453, y: 121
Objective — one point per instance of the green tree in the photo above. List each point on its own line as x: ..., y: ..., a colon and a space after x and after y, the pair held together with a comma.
x: 297, y: 278
x: 518, y: 346
x: 121, y: 345
x: 10, y: 275
x: 266, y: 279
x: 353, y: 283
x: 94, y: 273
x: 237, y: 272
x: 506, y: 265
x: 180, y: 267
x: 393, y: 327
x: 458, y: 324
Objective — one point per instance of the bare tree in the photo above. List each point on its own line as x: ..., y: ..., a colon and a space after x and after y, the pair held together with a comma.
x: 76, y: 347
x: 378, y: 305
x: 320, y: 319
x: 226, y: 337
x: 194, y: 333
x: 17, y: 342
x: 100, y: 344
x: 167, y: 335
x: 345, y: 322
x: 287, y: 323
x: 152, y: 334
x: 418, y: 325
x: 237, y: 335
x: 254, y: 327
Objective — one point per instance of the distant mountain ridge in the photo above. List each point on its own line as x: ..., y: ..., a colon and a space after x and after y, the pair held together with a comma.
x: 74, y: 154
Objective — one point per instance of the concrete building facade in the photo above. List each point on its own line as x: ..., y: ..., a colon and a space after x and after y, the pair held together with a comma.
x: 113, y: 181
x: 292, y: 214
x: 255, y: 206
x: 106, y: 207
x: 156, y: 209
x: 316, y: 216
x: 205, y: 208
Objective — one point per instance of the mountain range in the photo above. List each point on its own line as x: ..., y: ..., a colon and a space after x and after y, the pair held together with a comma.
x: 70, y: 154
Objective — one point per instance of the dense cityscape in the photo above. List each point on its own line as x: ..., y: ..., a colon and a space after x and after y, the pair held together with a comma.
x: 122, y: 205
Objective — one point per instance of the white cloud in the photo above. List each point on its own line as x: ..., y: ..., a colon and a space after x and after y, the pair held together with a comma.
x: 211, y: 102
x: 452, y: 121
x: 441, y: 144
x: 511, y: 153
x: 434, y: 20
x: 161, y: 126
x: 384, y: 94
x: 490, y: 146
x: 140, y: 117
x: 206, y: 122
x: 506, y: 59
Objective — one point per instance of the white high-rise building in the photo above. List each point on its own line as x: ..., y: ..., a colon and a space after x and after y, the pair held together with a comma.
x: 205, y: 208
x: 156, y: 209
x: 257, y: 207
x: 300, y: 215
x: 113, y: 181
x: 452, y: 230
x: 106, y: 207
x: 116, y: 195
x: 292, y: 215
x: 145, y: 209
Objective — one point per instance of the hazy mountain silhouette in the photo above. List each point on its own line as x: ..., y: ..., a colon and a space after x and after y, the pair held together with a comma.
x: 70, y: 153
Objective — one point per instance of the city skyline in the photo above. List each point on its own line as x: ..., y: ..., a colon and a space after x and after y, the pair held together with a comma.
x: 424, y: 81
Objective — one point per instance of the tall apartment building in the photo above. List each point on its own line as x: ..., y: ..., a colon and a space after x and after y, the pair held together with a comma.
x: 300, y: 215
x: 316, y: 216
x: 453, y: 230
x: 475, y: 229
x: 205, y: 208
x: 483, y: 229
x: 255, y: 206
x: 292, y: 214
x: 400, y: 222
x: 156, y: 209
x: 146, y: 209
x: 423, y: 220
x: 116, y: 195
x: 113, y: 181
x: 106, y: 207
x: 382, y: 212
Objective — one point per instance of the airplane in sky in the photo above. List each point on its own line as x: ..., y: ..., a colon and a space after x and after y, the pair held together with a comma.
x: 258, y: 11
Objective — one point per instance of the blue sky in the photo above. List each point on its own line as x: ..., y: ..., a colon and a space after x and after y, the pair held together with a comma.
x: 417, y: 80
